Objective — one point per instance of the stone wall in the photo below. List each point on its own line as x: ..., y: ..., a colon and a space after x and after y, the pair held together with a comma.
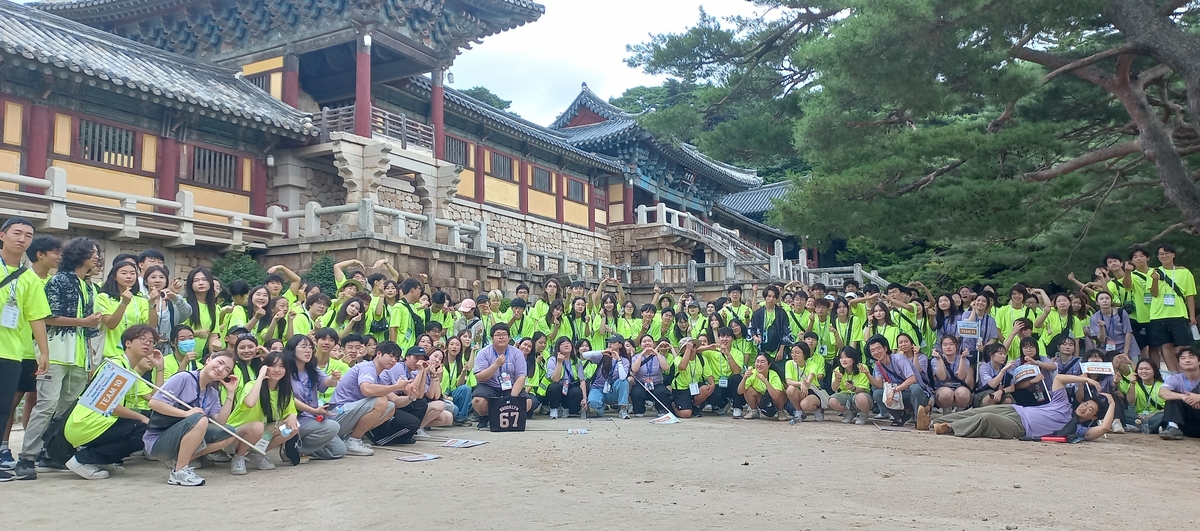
x: 400, y: 195
x: 511, y: 228
x: 179, y: 260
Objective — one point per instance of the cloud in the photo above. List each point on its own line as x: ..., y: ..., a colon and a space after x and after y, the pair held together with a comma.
x: 540, y: 66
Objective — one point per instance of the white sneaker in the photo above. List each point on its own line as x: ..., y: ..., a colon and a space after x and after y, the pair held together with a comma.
x: 237, y: 466
x: 86, y: 471
x: 219, y: 457
x: 624, y: 413
x: 113, y: 468
x: 737, y: 412
x: 847, y: 417
x: 358, y: 448
x: 421, y: 434
x: 1117, y: 427
x: 185, y: 477
x: 554, y: 413
x: 819, y: 415
x: 260, y: 461
x: 861, y: 419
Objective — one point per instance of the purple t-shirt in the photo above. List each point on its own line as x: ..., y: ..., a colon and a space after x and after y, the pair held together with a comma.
x: 1043, y: 420
x: 1179, y: 383
x: 619, y: 371
x: 951, y: 368
x: 399, y: 373
x: 572, y: 371
x: 514, y: 364
x: 987, y: 371
x: 348, y: 390
x: 899, y: 366
x: 307, y: 391
x: 186, y: 386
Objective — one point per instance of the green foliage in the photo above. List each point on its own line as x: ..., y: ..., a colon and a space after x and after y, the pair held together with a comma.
x: 910, y: 131
x: 321, y: 273
x: 483, y: 94
x: 236, y: 265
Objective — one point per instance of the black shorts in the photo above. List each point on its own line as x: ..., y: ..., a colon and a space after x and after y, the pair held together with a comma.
x: 487, y: 391
x: 1174, y: 330
x: 767, y: 405
x: 682, y: 399
x: 1141, y: 333
x: 28, y: 382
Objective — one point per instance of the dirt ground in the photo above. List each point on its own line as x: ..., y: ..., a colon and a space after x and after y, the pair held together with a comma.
x: 712, y: 472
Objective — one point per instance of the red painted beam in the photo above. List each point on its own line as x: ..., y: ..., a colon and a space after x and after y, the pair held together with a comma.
x: 362, y: 89
x: 437, y: 101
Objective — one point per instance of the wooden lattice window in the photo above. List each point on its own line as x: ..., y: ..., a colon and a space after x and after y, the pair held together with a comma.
x: 458, y: 151
x: 575, y: 190
x: 105, y: 143
x: 214, y: 168
x: 502, y: 166
x: 542, y: 180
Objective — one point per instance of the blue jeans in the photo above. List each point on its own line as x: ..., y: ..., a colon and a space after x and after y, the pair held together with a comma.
x: 619, y: 394
x: 461, y: 396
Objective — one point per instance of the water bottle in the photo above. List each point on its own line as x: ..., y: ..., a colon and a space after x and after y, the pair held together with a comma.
x: 1144, y: 423
x: 285, y: 432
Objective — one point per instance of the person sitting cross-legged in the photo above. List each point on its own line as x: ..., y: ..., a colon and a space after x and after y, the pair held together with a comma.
x: 1182, y: 393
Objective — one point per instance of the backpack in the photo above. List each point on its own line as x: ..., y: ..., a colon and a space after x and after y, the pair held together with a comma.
x: 55, y: 440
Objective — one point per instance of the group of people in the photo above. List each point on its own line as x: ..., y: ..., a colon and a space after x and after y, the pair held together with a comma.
x: 317, y: 376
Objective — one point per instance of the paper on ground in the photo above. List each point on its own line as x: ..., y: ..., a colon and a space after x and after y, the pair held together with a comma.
x: 666, y: 419
x: 418, y: 457
x: 461, y: 443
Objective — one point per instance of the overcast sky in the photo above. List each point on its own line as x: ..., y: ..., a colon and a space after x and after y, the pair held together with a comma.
x: 540, y: 66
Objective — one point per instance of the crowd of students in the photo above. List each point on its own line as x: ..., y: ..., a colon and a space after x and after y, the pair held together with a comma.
x: 386, y: 357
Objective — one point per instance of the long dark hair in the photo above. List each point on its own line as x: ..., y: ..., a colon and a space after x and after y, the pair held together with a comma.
x: 616, y: 311
x: 251, y: 309
x: 110, y: 286
x: 248, y: 370
x: 283, y: 389
x: 209, y: 302
x: 711, y: 333
x: 343, y: 316
x: 940, y: 316
x: 558, y: 303
x: 854, y: 354
x: 289, y: 359
x: 281, y: 326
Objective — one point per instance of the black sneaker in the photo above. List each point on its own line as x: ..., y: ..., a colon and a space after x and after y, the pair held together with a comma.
x: 6, y: 476
x: 291, y: 449
x: 409, y: 440
x: 1171, y: 434
x: 25, y: 470
x: 47, y: 466
x: 483, y: 423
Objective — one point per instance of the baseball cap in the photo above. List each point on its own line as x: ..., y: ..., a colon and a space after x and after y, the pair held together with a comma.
x: 467, y: 305
x: 416, y: 351
x: 616, y: 338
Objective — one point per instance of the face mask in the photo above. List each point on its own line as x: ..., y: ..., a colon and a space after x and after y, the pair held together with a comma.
x: 187, y: 345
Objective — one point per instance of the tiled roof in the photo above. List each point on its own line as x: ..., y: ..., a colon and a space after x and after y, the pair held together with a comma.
x: 595, y: 135
x: 596, y: 104
x: 741, y: 218
x: 553, y: 139
x: 756, y: 200
x: 52, y: 40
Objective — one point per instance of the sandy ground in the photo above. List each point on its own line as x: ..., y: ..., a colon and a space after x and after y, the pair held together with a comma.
x: 706, y: 473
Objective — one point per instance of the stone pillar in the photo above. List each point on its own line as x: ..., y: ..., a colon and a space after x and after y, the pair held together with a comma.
x: 289, y: 180
x: 362, y: 164
x: 362, y: 86
x: 628, y: 202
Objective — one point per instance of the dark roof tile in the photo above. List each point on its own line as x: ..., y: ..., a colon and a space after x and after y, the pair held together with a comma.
x: 756, y: 200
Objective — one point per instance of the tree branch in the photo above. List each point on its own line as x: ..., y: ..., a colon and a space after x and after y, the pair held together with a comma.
x: 920, y: 184
x: 998, y: 124
x: 1170, y: 7
x: 1163, y: 234
x: 1087, y: 73
x: 1100, y: 155
x: 1087, y: 61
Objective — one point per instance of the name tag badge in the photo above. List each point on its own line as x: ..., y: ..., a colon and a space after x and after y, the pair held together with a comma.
x: 649, y: 384
x: 723, y: 382
x: 1112, y: 345
x: 8, y: 316
x: 694, y: 388
x: 505, y: 381
x: 824, y: 350
x: 1147, y: 299
x: 1168, y: 300
x: 566, y: 385
x: 607, y: 387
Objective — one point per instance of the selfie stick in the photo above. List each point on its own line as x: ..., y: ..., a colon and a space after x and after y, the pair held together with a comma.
x: 659, y: 401
x: 218, y: 424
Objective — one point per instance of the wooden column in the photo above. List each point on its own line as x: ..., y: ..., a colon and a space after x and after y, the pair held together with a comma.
x: 560, y: 181
x: 291, y: 79
x: 37, y: 154
x: 480, y: 164
x: 258, y: 187
x: 168, y: 168
x: 523, y: 184
x: 437, y: 99
x: 362, y: 87
x: 591, y: 204
x: 627, y: 202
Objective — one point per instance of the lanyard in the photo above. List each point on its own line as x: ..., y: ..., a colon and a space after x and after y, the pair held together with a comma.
x: 649, y: 365
x: 849, y: 327
x: 12, y: 290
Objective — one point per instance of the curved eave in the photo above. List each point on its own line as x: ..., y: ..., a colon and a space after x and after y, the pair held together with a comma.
x: 705, y: 167
x: 113, y: 83
x: 583, y: 157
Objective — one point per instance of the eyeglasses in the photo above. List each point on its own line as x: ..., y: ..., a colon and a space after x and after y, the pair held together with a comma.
x: 146, y: 340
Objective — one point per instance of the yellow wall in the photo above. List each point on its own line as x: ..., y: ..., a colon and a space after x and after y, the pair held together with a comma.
x: 275, y: 84
x: 62, y: 134
x: 466, y: 184
x: 246, y: 173
x: 575, y: 213
x: 543, y: 204
x: 616, y: 213
x: 502, y: 192
x: 262, y: 66
x: 601, y: 217
x: 13, y: 113
x: 10, y: 162
x: 216, y: 199
x: 105, y: 179
x: 149, y: 152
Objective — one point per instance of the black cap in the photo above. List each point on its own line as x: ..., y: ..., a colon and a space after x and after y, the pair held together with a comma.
x: 15, y: 221
x: 616, y: 338
x: 416, y: 350
x: 237, y: 330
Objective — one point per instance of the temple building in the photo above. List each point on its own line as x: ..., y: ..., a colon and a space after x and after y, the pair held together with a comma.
x: 294, y: 127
